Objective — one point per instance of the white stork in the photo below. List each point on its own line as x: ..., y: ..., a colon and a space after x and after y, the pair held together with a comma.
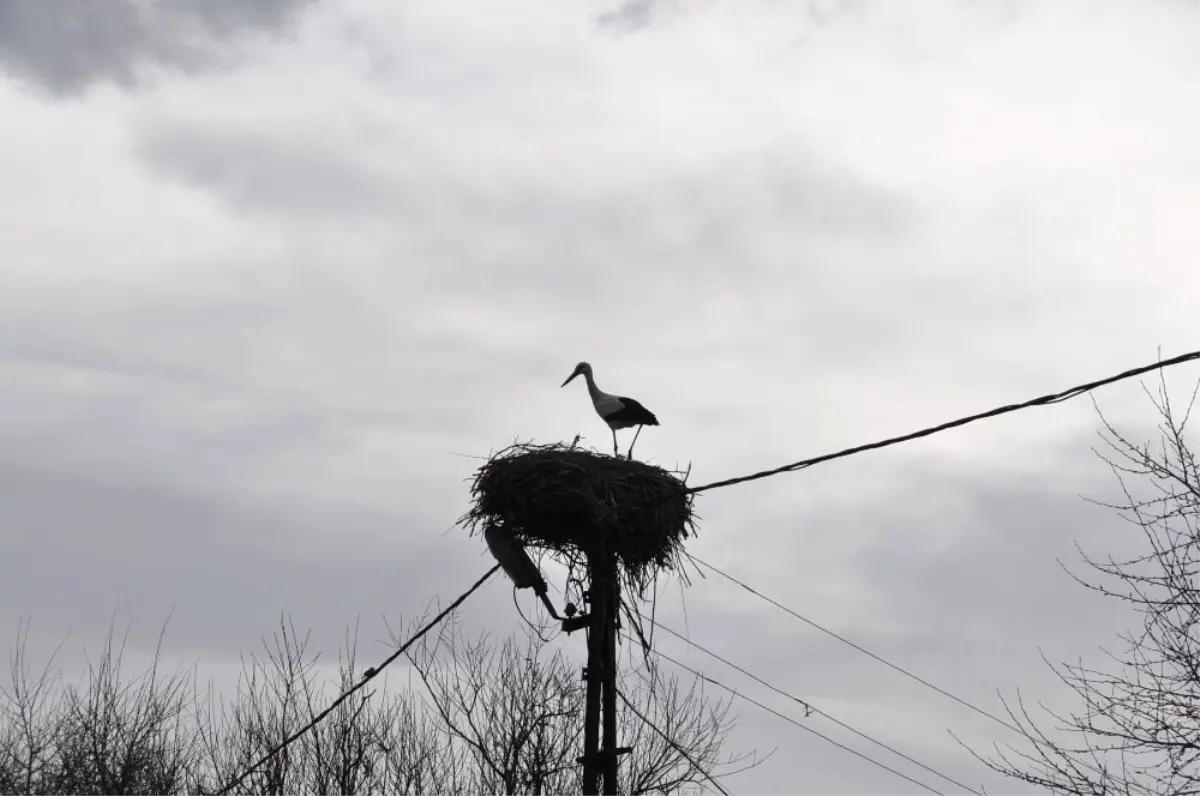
x: 617, y: 411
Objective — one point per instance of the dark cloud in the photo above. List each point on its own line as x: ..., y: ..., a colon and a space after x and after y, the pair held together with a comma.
x: 64, y: 46
x: 631, y: 16
x: 78, y: 548
x: 684, y: 238
x: 282, y: 172
x: 943, y: 553
x: 634, y: 15
x: 345, y: 172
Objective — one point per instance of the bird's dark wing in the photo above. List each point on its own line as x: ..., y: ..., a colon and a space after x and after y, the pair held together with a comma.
x: 633, y: 412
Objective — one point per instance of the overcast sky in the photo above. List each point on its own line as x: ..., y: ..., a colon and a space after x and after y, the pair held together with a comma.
x: 274, y: 275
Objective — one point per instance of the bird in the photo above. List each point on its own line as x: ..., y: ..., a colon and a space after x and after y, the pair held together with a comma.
x: 616, y: 410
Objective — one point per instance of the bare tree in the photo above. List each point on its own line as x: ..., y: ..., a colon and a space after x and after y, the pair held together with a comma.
x: 517, y: 709
x: 511, y: 711
x: 495, y: 717
x: 109, y: 734
x: 376, y: 743
x: 697, y: 729
x: 1137, y: 730
x: 29, y: 718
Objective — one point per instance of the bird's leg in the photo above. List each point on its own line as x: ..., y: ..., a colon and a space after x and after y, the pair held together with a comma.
x: 616, y: 450
x: 635, y: 436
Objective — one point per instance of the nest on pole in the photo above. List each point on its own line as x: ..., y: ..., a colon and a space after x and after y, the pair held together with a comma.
x: 577, y: 504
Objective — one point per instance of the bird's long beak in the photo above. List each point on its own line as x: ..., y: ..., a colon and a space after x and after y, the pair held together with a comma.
x: 568, y: 381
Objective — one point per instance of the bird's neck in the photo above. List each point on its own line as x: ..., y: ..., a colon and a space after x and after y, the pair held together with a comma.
x: 593, y: 390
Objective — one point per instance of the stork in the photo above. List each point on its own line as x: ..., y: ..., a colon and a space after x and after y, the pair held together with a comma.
x: 617, y: 411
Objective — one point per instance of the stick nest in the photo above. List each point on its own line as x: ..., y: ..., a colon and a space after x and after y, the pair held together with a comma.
x: 576, y: 503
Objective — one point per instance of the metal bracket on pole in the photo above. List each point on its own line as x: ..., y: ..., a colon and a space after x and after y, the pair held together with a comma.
x: 576, y: 623
x: 621, y: 750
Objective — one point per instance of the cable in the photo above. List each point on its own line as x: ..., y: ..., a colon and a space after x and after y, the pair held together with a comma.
x: 790, y: 720
x: 674, y: 745
x: 1042, y: 401
x: 863, y: 650
x: 367, y: 677
x: 995, y: 718
x: 810, y: 708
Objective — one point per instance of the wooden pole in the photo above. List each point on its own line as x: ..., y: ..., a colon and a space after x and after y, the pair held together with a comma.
x: 600, y: 760
x: 612, y: 610
x: 594, y: 677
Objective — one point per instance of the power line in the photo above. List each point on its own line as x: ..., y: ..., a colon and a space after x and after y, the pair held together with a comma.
x: 867, y: 652
x: 792, y: 721
x: 674, y: 745
x: 808, y: 707
x: 847, y: 641
x: 1044, y: 400
x: 367, y: 677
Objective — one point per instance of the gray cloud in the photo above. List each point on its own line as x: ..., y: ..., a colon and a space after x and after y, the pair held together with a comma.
x: 633, y: 15
x: 227, y: 570
x: 67, y: 45
x: 684, y: 238
x: 339, y: 179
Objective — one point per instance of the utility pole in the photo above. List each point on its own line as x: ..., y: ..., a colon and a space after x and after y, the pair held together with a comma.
x: 594, y: 676
x: 600, y: 762
x: 612, y: 610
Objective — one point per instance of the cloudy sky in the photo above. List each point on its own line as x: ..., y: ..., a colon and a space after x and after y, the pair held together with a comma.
x: 275, y: 274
